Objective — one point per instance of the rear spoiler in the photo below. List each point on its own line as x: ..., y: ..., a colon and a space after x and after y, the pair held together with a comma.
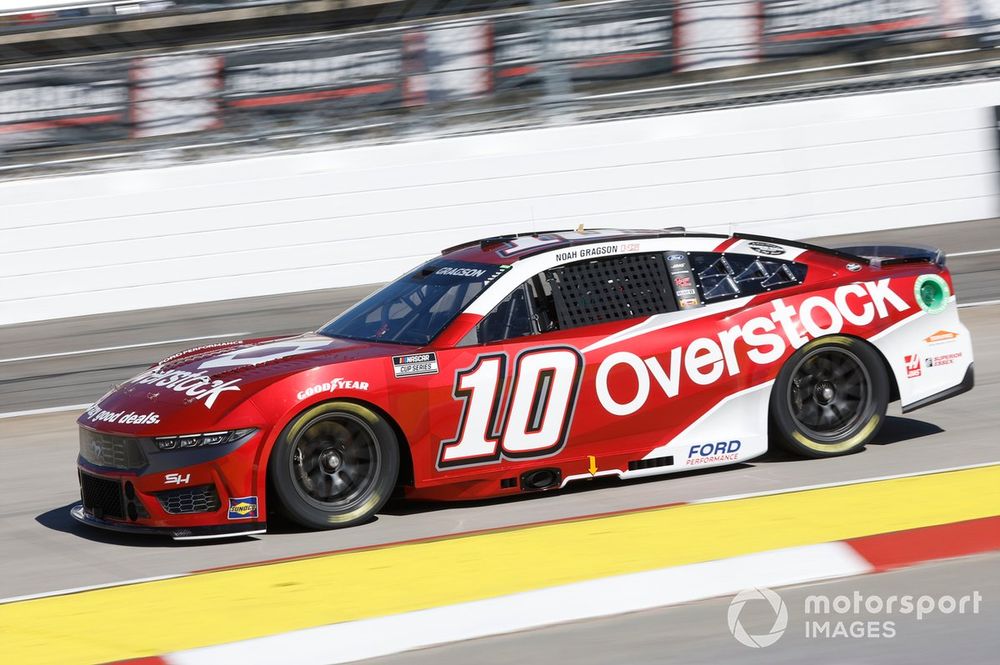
x: 886, y: 255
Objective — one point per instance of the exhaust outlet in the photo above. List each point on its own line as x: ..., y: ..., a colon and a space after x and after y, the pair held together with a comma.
x: 540, y: 479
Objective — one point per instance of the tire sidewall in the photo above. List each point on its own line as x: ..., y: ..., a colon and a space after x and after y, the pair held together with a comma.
x: 295, y: 507
x: 792, y: 436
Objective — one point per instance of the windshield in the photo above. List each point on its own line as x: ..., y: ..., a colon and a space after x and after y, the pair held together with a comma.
x: 417, y: 306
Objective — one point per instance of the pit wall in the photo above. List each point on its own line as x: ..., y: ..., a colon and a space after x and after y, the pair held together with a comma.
x: 152, y: 237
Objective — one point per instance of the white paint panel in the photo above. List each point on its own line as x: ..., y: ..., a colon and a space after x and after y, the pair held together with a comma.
x: 290, y: 222
x: 608, y: 596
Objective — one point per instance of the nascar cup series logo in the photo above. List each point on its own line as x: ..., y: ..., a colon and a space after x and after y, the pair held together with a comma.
x: 778, y: 607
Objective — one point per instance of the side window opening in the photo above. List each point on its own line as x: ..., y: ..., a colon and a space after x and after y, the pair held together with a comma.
x: 509, y: 319
x: 582, y: 293
x: 611, y: 289
x: 727, y: 276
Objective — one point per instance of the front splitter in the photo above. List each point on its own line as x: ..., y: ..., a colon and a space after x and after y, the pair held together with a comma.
x: 185, y: 533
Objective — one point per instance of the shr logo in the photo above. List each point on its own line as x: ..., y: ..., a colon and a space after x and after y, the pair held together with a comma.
x: 780, y: 617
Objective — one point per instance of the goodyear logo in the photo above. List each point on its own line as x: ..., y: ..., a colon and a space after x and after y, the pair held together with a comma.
x: 243, y: 508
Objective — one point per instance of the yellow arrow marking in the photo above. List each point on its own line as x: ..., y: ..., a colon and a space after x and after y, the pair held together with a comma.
x: 593, y: 465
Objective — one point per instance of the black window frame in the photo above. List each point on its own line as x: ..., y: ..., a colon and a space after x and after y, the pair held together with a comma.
x: 542, y: 299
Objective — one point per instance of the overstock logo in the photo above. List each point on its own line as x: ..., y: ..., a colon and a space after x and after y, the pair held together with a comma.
x: 780, y: 617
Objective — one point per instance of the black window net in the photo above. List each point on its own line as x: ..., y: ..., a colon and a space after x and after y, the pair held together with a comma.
x: 726, y: 276
x: 611, y: 289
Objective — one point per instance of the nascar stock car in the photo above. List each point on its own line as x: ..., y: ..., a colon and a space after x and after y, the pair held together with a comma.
x: 523, y: 363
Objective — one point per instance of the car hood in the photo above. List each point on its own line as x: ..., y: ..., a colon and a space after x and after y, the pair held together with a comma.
x: 220, y: 377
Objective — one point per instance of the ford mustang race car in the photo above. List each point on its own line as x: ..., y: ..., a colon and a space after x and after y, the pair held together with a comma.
x: 523, y: 363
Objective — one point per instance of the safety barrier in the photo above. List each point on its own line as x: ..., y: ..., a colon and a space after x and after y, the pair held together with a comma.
x: 292, y: 222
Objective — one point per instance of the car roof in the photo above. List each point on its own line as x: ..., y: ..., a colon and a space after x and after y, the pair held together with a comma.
x: 507, y: 249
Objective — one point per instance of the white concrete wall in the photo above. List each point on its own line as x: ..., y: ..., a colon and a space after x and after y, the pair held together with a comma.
x: 97, y: 243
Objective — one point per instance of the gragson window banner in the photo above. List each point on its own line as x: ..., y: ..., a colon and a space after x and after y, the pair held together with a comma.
x: 63, y: 105
x: 794, y: 27
x: 589, y: 46
x: 355, y: 73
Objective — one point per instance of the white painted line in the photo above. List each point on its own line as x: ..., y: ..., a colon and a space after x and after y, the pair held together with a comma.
x: 981, y: 303
x: 974, y: 252
x: 81, y: 589
x: 142, y: 345
x: 220, y: 536
x: 42, y: 412
x: 841, y: 483
x: 380, y: 636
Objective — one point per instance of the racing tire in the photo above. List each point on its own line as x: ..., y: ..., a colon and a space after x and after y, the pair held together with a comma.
x: 829, y: 398
x: 334, y: 465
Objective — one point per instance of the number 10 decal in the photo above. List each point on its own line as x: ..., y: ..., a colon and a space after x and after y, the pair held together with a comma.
x: 534, y: 421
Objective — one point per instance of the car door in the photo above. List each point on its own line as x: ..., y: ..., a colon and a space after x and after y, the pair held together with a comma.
x: 527, y: 378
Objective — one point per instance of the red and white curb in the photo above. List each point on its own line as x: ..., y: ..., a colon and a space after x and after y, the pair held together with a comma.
x: 369, y: 638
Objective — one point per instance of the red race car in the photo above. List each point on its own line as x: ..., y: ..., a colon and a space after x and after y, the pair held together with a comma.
x: 523, y: 363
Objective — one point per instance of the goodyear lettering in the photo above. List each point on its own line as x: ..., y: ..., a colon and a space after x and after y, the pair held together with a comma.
x: 332, y: 385
x: 705, y: 360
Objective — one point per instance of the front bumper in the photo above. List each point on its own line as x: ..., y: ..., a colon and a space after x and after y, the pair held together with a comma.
x: 126, y: 485
x: 80, y: 514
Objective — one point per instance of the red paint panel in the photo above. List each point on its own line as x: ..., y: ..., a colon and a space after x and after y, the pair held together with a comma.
x: 886, y: 551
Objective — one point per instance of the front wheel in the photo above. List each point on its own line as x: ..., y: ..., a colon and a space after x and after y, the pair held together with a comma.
x: 334, y: 465
x: 830, y: 397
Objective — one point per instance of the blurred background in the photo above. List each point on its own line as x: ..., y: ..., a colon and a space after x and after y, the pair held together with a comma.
x: 87, y: 81
x: 194, y: 139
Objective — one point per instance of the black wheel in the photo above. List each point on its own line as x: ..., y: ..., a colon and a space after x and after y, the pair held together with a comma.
x: 334, y: 465
x: 830, y: 397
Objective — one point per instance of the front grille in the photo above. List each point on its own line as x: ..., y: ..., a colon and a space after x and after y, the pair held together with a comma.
x: 102, y: 498
x: 197, y: 499
x: 111, y: 452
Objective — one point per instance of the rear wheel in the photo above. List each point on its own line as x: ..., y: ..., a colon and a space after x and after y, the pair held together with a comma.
x: 334, y: 465
x: 830, y: 397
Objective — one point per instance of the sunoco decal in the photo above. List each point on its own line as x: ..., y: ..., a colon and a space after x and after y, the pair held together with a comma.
x: 414, y: 364
x: 243, y: 508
